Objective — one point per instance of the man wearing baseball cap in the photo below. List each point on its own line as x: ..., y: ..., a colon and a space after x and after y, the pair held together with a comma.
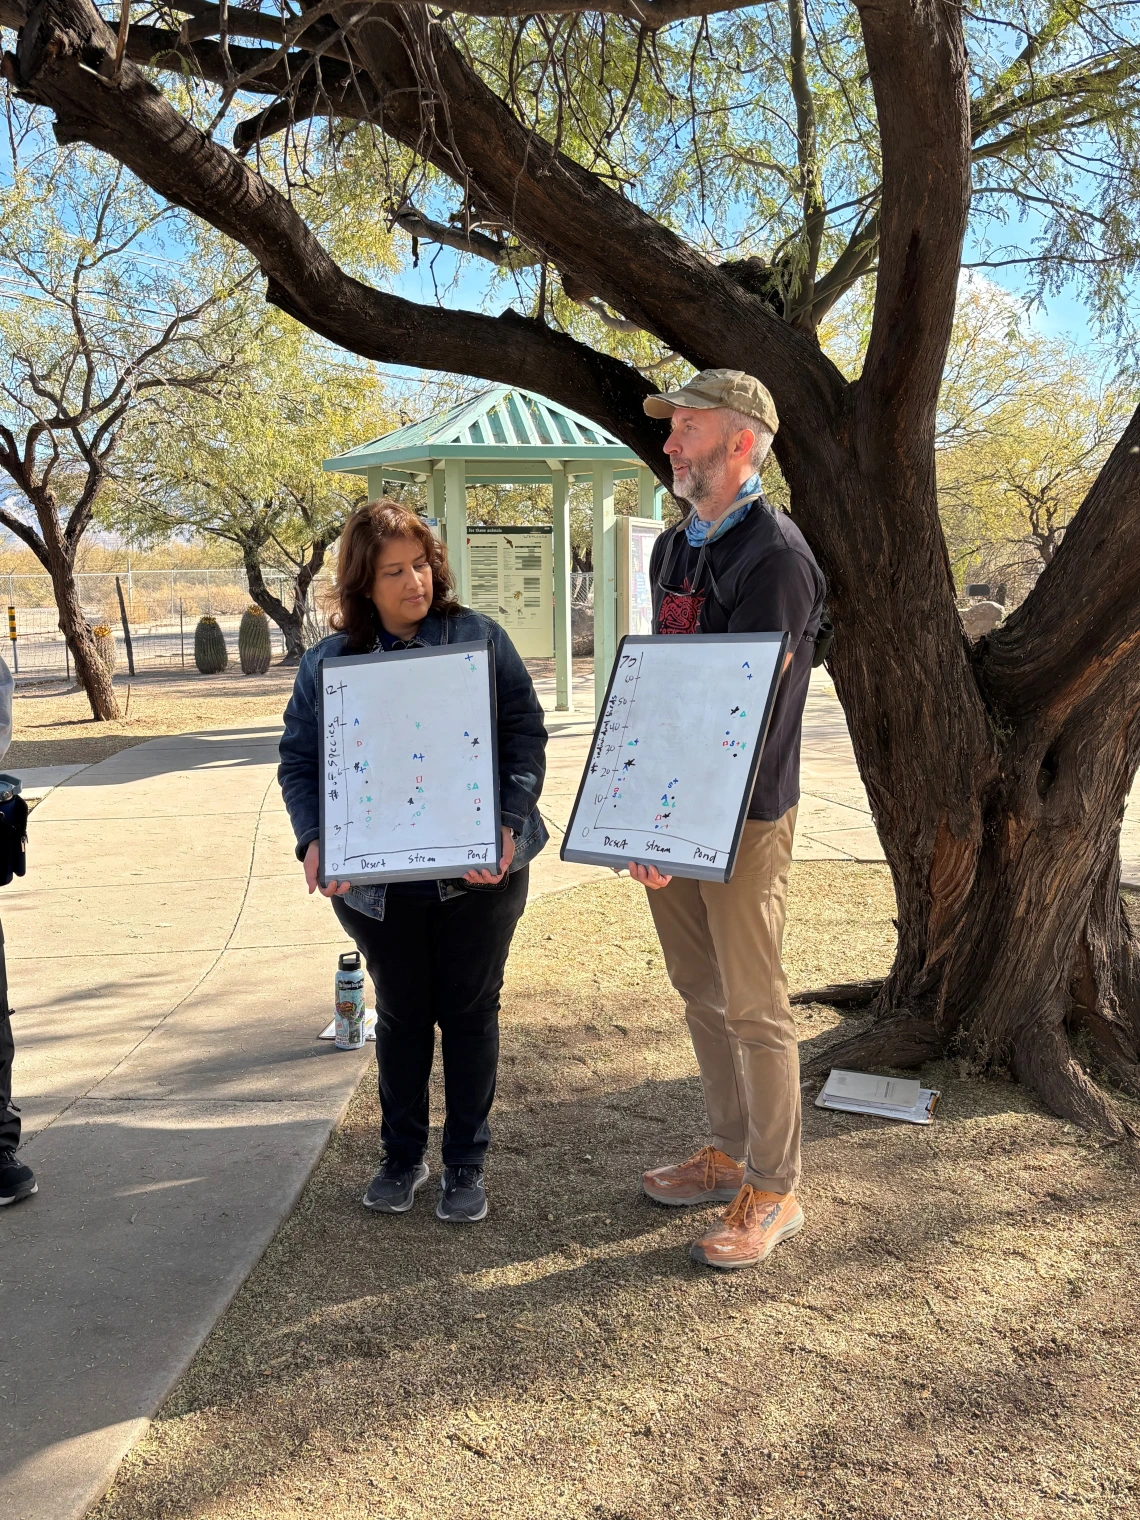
x: 735, y: 565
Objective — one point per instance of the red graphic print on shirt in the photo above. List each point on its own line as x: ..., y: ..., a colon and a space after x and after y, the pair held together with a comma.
x: 680, y: 610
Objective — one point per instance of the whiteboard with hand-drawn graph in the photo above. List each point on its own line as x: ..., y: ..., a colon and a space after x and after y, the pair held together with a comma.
x: 410, y: 781
x: 675, y: 753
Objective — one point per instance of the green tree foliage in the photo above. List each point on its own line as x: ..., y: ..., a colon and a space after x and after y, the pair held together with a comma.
x: 243, y: 464
x: 113, y: 307
x: 1026, y: 424
x: 754, y: 134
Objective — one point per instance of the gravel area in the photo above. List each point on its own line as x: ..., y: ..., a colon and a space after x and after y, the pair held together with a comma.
x: 954, y: 1333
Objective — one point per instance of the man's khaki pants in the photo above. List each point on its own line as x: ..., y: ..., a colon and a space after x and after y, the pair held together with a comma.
x: 722, y: 945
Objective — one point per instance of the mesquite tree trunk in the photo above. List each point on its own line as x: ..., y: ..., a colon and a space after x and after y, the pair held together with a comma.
x: 291, y: 621
x: 997, y: 774
x: 90, y: 671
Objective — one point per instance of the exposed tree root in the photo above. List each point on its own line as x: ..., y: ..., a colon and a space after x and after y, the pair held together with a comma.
x: 1043, y: 1062
x: 842, y: 994
x: 1115, y: 1052
x: 905, y: 1042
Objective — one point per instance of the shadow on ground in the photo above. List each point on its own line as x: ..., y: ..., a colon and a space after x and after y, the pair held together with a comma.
x: 953, y: 1333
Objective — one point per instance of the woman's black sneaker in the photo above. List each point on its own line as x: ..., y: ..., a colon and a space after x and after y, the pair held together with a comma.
x: 16, y: 1180
x: 393, y: 1189
x: 462, y: 1195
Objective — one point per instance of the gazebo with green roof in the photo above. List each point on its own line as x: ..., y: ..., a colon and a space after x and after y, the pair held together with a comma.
x: 507, y: 436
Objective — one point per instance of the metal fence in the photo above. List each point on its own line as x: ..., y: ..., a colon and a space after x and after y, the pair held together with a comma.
x: 163, y: 608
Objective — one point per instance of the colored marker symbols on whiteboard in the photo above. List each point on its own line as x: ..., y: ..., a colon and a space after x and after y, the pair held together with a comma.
x: 679, y: 806
x: 422, y: 798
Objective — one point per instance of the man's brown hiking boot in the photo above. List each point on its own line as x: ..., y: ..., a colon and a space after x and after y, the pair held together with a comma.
x: 751, y: 1227
x: 708, y: 1177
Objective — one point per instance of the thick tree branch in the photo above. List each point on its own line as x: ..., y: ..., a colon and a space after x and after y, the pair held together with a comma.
x: 26, y: 535
x: 502, y: 255
x: 669, y: 288
x: 856, y: 260
x: 337, y: 94
x: 810, y: 188
x: 505, y: 256
x: 427, y: 97
x: 917, y: 60
x: 134, y: 123
x: 576, y: 220
x: 650, y: 14
x: 1081, y: 622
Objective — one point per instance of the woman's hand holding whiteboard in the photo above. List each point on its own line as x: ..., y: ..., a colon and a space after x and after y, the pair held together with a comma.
x: 675, y: 754
x: 410, y: 781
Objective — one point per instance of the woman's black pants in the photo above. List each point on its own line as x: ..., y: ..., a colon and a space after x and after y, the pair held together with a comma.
x: 438, y: 963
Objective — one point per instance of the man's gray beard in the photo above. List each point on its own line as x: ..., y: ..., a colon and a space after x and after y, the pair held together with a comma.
x: 705, y: 476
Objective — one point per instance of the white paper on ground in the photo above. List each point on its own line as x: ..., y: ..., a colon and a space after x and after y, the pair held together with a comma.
x: 863, y: 1087
x: 329, y: 1032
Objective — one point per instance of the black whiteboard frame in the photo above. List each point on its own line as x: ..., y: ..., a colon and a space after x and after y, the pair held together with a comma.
x: 694, y: 872
x: 377, y: 657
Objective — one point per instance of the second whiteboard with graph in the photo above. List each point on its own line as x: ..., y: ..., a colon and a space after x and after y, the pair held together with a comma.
x: 675, y: 753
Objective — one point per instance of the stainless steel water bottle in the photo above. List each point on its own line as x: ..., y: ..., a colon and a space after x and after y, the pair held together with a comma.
x: 348, y: 999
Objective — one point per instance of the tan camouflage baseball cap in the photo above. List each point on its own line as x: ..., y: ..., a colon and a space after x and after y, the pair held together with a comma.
x: 731, y: 388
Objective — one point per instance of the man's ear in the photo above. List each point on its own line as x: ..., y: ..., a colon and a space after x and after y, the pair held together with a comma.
x: 745, y: 442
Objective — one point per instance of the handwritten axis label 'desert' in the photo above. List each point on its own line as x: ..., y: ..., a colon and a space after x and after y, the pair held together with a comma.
x: 689, y: 712
x: 419, y: 796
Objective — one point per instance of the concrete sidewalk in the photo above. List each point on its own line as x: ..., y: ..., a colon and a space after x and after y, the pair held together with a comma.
x: 170, y: 975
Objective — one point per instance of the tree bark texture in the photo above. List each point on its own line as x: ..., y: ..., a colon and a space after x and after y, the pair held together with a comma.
x: 55, y: 549
x: 997, y: 773
x: 90, y: 671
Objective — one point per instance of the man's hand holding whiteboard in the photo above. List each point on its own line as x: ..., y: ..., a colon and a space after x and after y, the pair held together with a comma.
x: 675, y: 755
x: 410, y: 787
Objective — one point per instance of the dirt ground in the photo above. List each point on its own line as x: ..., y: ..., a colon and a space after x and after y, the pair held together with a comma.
x: 52, y: 724
x: 953, y: 1334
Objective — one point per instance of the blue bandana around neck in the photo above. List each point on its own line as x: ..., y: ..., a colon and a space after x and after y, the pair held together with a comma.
x: 697, y: 529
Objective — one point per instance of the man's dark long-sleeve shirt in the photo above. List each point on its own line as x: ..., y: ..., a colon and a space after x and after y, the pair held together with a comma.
x: 760, y: 577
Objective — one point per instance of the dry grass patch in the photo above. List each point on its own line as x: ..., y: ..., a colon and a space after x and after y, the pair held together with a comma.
x: 52, y: 724
x: 954, y: 1333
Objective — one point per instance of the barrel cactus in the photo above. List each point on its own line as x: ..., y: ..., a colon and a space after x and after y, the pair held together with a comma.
x: 105, y: 646
x: 210, y: 647
x: 253, y: 642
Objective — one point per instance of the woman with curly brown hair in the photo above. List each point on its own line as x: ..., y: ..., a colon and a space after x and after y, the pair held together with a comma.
x: 436, y: 950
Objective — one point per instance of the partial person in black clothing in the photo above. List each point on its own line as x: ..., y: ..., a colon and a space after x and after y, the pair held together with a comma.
x: 17, y: 1181
x: 754, y: 575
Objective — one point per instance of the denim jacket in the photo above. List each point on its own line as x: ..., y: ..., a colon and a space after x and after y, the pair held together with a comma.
x: 521, y: 733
